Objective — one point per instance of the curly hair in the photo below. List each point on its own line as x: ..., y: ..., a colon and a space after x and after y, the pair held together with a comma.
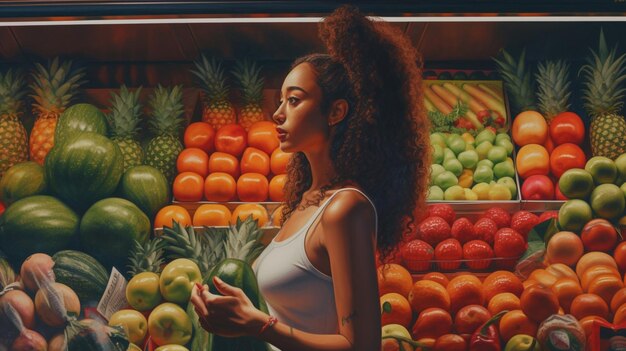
x: 382, y: 145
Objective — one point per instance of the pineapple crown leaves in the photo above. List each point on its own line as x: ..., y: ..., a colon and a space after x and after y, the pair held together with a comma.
x: 55, y: 86
x: 243, y: 240
x: 167, y: 110
x: 12, y: 90
x: 209, y: 75
x: 553, y: 87
x: 251, y: 83
x: 125, y: 113
x: 518, y: 80
x: 147, y: 257
x: 604, y: 74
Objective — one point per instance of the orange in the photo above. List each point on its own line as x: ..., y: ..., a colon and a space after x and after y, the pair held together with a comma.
x: 618, y: 299
x: 591, y: 259
x: 277, y: 216
x: 566, y: 289
x: 437, y: 277
x: 502, y: 281
x: 171, y: 213
x: 193, y: 160
x: 529, y: 127
x: 516, y: 322
x: 564, y: 247
x: 426, y: 294
x: 560, y: 270
x: 539, y: 302
x: 465, y: 290
x: 503, y: 301
x: 605, y: 286
x: 200, y: 135
x: 188, y: 187
x: 254, y: 160
x: 394, y: 278
x: 589, y: 305
x: 211, y: 215
x: 532, y: 159
x: 619, y: 254
x: 252, y: 187
x: 264, y: 136
x: 432, y: 323
x: 220, y: 187
x: 279, y: 160
x: 469, y: 318
x: 587, y: 324
x: 529, y: 282
x: 223, y: 162
x: 620, y: 315
x: 450, y: 342
x: 593, y: 272
x: 243, y: 211
x: 395, y: 309
x: 543, y: 277
x: 276, y: 188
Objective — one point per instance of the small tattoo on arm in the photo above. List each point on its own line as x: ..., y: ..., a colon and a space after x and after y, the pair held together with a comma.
x: 291, y: 331
x: 348, y: 319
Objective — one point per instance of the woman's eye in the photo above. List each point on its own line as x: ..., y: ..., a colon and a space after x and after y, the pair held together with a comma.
x: 292, y: 100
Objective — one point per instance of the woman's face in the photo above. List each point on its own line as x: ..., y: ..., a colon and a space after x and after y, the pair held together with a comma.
x: 301, y: 124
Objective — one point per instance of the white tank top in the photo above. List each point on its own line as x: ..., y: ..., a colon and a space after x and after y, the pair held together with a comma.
x: 296, y: 292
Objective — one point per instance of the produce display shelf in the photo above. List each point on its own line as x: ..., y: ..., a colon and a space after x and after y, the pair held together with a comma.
x: 191, y: 207
x: 541, y: 205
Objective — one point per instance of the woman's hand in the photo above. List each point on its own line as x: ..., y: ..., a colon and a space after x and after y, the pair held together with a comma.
x: 230, y: 315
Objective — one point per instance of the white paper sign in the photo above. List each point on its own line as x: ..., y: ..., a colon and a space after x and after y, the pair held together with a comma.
x: 114, y: 297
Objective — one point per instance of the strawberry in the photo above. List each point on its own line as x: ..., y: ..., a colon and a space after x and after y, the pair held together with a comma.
x: 434, y: 230
x: 548, y: 215
x: 448, y: 254
x: 498, y: 215
x: 523, y: 221
x: 508, y: 243
x: 442, y: 210
x: 477, y: 254
x: 416, y: 255
x: 486, y: 229
x: 463, y: 230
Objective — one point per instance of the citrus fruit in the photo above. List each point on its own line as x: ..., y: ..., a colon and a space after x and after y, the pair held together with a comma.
x: 539, y: 302
x: 394, y: 278
x: 618, y: 300
x: 503, y: 302
x: 605, y: 286
x: 564, y: 247
x: 426, y: 294
x: 593, y: 259
x: 589, y: 305
x: 395, y: 309
x: 450, y: 342
x: 500, y: 282
x: 516, y: 322
x: 593, y: 272
x: 437, y: 277
x: 566, y: 289
x: 465, y: 290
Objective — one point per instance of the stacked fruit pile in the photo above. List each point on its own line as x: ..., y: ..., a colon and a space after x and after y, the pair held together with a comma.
x: 468, y: 168
x: 231, y: 164
x: 217, y: 215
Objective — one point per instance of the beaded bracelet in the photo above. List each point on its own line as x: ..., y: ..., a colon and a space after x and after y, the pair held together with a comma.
x: 270, y: 322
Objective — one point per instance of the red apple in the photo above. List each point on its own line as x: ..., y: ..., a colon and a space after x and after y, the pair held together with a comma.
x: 2, y: 208
x: 599, y: 235
x: 538, y: 187
x: 231, y: 139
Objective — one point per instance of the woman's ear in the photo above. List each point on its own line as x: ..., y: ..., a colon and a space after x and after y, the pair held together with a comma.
x: 338, y: 111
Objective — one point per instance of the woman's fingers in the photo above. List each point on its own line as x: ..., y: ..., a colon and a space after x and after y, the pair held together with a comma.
x: 226, y: 289
x: 198, y: 302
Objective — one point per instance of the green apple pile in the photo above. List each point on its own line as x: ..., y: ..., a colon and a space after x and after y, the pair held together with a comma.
x: 163, y: 298
x: 597, y: 191
x: 468, y: 168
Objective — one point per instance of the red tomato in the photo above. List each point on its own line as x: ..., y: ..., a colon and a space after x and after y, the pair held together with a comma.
x: 255, y: 161
x: 263, y: 135
x: 566, y: 156
x: 223, y: 162
x: 200, y: 135
x: 549, y: 144
x: 538, y: 187
x: 567, y: 127
x: 231, y: 139
x: 193, y: 160
x: 2, y: 208
x: 188, y: 186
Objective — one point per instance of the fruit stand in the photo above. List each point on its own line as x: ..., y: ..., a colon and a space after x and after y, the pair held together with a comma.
x: 138, y: 158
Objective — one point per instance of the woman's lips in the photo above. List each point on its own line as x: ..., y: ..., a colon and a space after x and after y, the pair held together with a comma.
x: 282, y: 134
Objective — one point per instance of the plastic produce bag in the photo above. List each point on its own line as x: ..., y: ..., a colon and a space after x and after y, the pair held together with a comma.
x: 561, y: 333
x: 607, y: 336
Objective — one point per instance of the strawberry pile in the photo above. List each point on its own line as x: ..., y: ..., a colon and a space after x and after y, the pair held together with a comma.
x: 496, y: 237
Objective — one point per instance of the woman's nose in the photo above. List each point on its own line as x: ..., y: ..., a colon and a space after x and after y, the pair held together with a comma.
x: 279, y: 116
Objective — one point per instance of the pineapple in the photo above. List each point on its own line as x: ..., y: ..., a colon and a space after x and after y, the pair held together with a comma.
x: 603, y: 95
x: 53, y: 88
x: 251, y: 84
x: 554, y: 88
x: 243, y: 240
x: 217, y: 110
x: 146, y: 258
x: 13, y: 138
x: 167, y: 109
x: 518, y: 81
x: 124, y: 119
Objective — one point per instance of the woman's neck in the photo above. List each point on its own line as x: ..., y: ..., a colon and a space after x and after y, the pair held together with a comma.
x: 322, y: 170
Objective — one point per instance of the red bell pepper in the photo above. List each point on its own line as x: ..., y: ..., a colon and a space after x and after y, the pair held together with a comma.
x: 487, y: 338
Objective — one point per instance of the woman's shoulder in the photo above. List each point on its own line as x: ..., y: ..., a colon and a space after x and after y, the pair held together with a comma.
x: 347, y: 205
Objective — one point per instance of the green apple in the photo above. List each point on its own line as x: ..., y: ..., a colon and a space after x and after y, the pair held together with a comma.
x: 482, y: 191
x: 437, y: 154
x: 435, y: 170
x: 485, y: 135
x: 470, y: 195
x: 576, y: 183
x: 169, y: 324
x: 133, y: 322
x: 483, y: 149
x: 456, y: 143
x: 500, y: 192
x: 620, y: 163
x: 497, y: 154
x: 389, y: 331
x: 448, y: 155
x: 446, y: 180
x: 485, y: 162
x: 453, y: 165
x: 510, y: 183
x: 455, y: 192
x: 172, y: 347
x: 468, y: 159
x: 483, y: 174
x: 438, y: 139
x: 602, y: 169
x: 142, y: 291
x: 522, y: 342
x: 607, y: 201
x: 574, y: 214
x: 506, y: 144
x: 502, y: 136
x: 435, y: 193
x: 177, y: 280
x: 504, y: 169
x: 623, y: 188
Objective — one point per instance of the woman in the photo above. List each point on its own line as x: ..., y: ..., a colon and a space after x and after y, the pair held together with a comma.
x: 354, y: 121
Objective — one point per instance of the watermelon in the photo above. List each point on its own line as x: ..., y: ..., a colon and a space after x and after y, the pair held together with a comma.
x: 237, y: 273
x: 80, y: 118
x: 85, y: 168
x: 109, y: 228
x: 81, y: 272
x: 146, y: 187
x: 37, y: 223
x: 22, y: 180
